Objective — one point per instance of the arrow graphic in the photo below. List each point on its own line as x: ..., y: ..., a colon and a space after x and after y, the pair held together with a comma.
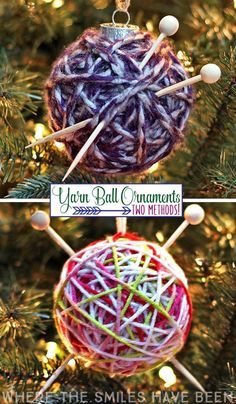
x: 95, y: 210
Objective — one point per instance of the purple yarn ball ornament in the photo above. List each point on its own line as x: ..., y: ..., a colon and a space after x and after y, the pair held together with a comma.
x: 99, y: 78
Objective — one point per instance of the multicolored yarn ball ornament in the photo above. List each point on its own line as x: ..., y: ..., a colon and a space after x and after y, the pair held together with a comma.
x: 122, y: 305
x: 100, y: 78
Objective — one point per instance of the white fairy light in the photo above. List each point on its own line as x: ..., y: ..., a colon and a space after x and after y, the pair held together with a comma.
x: 58, y: 3
x: 167, y: 374
x: 51, y: 350
x: 39, y: 130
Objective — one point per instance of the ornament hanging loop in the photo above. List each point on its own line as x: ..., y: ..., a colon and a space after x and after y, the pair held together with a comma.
x: 121, y: 7
x: 115, y: 30
x: 121, y: 11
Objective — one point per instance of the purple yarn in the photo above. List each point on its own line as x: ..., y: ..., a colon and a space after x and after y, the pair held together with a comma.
x: 101, y: 79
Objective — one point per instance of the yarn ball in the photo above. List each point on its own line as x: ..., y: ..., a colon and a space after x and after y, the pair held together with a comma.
x: 122, y: 305
x: 99, y: 78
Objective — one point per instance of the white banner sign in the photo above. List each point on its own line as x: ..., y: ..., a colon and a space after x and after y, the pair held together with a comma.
x: 160, y: 200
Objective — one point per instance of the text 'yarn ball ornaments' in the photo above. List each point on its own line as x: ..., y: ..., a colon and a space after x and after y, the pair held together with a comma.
x: 122, y: 305
x: 100, y: 78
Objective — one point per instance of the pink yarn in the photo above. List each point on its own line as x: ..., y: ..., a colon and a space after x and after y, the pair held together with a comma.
x: 122, y: 305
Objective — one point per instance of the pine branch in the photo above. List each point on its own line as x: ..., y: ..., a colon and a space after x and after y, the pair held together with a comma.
x: 39, y: 186
x: 223, y: 99
x: 31, y: 23
x: 17, y: 92
x: 14, y: 159
x: 18, y: 367
x: 230, y: 385
x: 212, y: 286
x: 212, y: 27
x: 88, y: 381
x: 222, y: 178
x: 21, y: 315
x: 219, y: 125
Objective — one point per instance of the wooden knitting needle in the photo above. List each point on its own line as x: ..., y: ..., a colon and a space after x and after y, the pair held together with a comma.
x: 40, y: 220
x: 54, y: 376
x: 182, y: 369
x: 209, y: 73
x: 193, y: 214
x: 84, y: 148
x: 61, y: 133
x: 168, y: 26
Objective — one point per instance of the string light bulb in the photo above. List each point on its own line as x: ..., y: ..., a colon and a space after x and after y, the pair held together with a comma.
x: 51, y: 350
x: 58, y: 3
x: 72, y: 364
x: 167, y: 374
x: 39, y: 131
x: 153, y: 168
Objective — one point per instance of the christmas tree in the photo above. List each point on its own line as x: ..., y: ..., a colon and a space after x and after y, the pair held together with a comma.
x: 30, y: 265
x: 33, y: 34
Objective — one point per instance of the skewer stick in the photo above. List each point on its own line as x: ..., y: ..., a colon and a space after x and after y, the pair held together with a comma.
x: 209, y: 73
x: 85, y: 147
x: 121, y: 225
x: 61, y: 134
x: 53, y: 377
x: 41, y: 221
x: 193, y: 214
x: 168, y: 26
x: 182, y: 369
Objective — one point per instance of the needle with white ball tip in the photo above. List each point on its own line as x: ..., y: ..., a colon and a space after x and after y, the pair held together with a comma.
x: 40, y: 220
x: 168, y: 26
x: 209, y: 73
x: 193, y: 214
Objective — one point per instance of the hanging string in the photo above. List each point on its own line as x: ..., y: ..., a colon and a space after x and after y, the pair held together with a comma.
x: 122, y: 5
